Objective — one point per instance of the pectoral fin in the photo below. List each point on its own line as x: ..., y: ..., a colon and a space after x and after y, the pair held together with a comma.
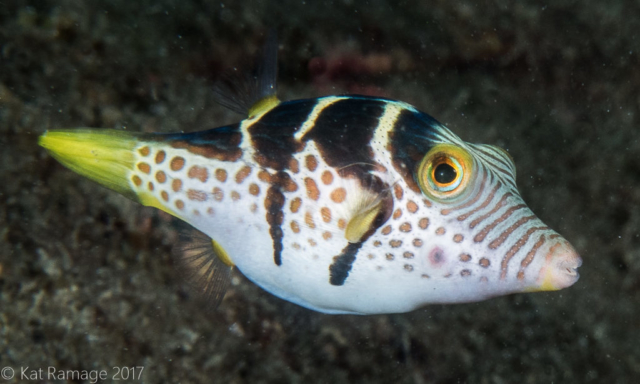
x: 367, y: 219
x: 206, y: 265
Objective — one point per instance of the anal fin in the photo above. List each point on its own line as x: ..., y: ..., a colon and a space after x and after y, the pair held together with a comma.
x: 206, y: 265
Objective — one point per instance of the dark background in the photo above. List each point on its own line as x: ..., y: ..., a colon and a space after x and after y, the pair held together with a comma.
x: 86, y: 277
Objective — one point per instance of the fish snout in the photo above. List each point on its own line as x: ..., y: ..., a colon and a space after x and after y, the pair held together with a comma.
x: 560, y: 269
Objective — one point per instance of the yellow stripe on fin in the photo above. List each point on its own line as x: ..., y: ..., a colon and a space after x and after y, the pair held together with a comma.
x: 102, y: 155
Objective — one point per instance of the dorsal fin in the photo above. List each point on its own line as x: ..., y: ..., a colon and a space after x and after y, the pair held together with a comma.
x: 206, y: 264
x: 252, y: 92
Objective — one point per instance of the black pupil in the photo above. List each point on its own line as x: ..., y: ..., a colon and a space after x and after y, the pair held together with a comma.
x: 445, y: 173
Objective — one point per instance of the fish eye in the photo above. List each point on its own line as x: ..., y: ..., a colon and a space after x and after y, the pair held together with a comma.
x: 444, y: 172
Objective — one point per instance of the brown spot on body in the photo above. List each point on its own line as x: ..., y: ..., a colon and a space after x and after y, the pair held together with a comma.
x: 161, y: 177
x: 423, y: 223
x: 377, y: 243
x: 150, y: 186
x: 327, y: 235
x: 338, y: 195
x: 465, y: 273
x: 327, y: 177
x: 484, y: 263
x: 389, y: 256
x: 417, y: 243
x: 165, y: 195
x: 326, y: 214
x: 210, y: 211
x: 465, y: 257
x: 397, y: 214
x: 254, y: 189
x: 405, y: 227
x: 254, y: 207
x: 371, y: 256
x: 136, y: 180
x: 342, y: 223
x: 264, y: 176
x: 295, y: 205
x: 458, y: 238
x: 312, y: 188
x: 221, y: 175
x: 408, y: 255
x: 386, y: 230
x: 312, y: 242
x: 179, y: 204
x: 294, y: 166
x: 408, y: 267
x: 288, y: 184
x: 176, y: 185
x: 427, y: 203
x: 218, y: 194
x: 160, y: 156
x: 235, y: 196
x: 295, y: 246
x: 425, y: 276
x: 199, y: 173
x: 195, y: 195
x: 295, y: 227
x: 395, y: 243
x: 308, y: 218
x: 399, y: 192
x: 311, y: 162
x: 242, y: 174
x: 440, y: 231
x: 144, y: 151
x: 144, y: 167
x: 412, y: 206
x: 177, y: 163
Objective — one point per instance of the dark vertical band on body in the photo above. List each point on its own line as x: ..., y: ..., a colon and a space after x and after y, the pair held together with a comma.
x: 275, y: 216
x: 339, y: 269
x: 343, y: 132
x: 273, y: 134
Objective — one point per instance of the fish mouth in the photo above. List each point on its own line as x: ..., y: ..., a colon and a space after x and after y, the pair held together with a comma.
x: 561, y: 267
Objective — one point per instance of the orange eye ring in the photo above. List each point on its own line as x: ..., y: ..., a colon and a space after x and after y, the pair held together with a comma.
x: 445, y: 172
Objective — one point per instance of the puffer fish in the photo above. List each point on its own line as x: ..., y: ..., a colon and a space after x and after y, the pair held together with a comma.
x: 341, y: 204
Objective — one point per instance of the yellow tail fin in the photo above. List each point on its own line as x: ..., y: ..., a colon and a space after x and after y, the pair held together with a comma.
x: 103, y: 155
